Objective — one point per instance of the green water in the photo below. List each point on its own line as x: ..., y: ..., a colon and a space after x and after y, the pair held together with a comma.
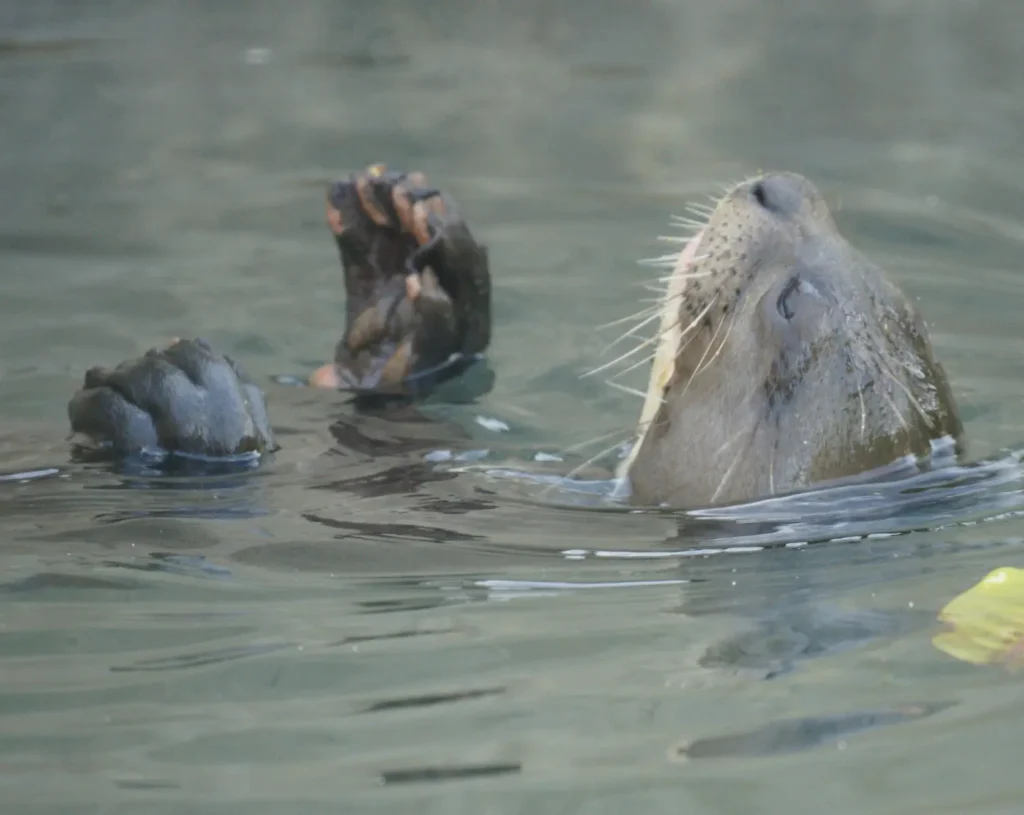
x: 349, y: 632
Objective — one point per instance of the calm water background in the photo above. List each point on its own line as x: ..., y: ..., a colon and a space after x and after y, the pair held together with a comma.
x: 350, y: 632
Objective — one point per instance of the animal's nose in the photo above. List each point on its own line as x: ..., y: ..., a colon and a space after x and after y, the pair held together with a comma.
x: 779, y: 193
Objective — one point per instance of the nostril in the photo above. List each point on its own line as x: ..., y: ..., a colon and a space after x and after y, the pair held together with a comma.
x: 760, y: 194
x: 779, y: 193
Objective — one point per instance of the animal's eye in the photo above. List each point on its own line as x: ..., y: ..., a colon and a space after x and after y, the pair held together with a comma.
x: 783, y: 303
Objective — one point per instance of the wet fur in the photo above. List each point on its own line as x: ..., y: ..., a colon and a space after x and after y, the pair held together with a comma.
x: 741, y: 404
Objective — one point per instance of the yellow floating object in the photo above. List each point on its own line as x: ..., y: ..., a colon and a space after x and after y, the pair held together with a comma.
x: 987, y: 621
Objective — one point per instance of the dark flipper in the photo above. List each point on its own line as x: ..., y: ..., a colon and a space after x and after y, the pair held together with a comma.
x: 185, y: 398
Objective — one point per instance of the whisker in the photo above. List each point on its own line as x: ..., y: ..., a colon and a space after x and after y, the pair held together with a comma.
x: 661, y: 260
x: 696, y: 320
x: 730, y: 441
x: 672, y: 326
x: 896, y: 380
x: 721, y: 345
x: 637, y: 336
x: 636, y: 365
x: 653, y: 340
x: 595, y: 440
x: 610, y: 346
x: 702, y: 366
x: 667, y: 296
x: 700, y: 362
x: 625, y: 388
x: 641, y: 313
x: 618, y: 359
x: 582, y: 466
x: 863, y: 412
x: 895, y: 410
x: 691, y: 222
x: 727, y: 475
x: 695, y: 259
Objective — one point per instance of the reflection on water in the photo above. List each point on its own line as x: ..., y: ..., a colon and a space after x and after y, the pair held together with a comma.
x: 421, y: 613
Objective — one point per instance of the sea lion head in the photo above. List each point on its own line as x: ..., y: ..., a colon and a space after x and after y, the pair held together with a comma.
x: 785, y: 358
